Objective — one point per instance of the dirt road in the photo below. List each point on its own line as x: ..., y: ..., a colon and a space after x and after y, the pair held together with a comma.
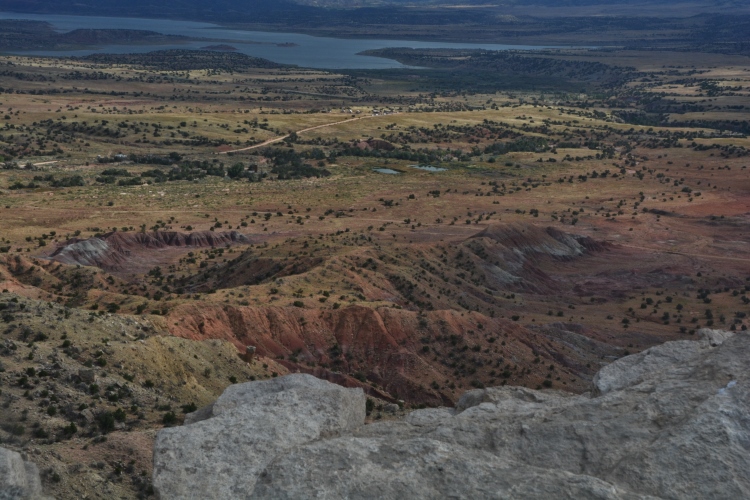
x: 279, y: 139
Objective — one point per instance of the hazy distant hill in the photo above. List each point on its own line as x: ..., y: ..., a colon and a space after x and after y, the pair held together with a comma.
x: 192, y: 9
x: 551, y: 3
x: 298, y: 10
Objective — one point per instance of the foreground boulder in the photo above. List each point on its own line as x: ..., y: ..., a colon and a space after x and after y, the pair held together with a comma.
x: 19, y: 480
x: 671, y: 422
x: 248, y: 427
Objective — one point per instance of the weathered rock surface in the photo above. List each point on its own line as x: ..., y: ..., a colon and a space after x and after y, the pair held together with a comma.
x: 251, y: 424
x: 671, y: 422
x: 19, y: 480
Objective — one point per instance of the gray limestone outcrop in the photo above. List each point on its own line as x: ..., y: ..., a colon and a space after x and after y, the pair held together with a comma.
x: 671, y: 422
x: 223, y: 455
x: 19, y: 480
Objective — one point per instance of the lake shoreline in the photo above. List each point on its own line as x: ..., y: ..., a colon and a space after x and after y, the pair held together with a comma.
x: 293, y: 49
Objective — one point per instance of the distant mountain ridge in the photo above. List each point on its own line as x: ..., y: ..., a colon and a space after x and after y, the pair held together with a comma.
x: 186, y: 9
x: 289, y: 10
x: 548, y: 3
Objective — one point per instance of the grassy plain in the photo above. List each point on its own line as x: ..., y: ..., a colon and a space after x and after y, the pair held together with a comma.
x: 202, y: 114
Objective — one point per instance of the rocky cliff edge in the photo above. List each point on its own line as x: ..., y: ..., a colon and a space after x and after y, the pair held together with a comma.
x: 671, y: 422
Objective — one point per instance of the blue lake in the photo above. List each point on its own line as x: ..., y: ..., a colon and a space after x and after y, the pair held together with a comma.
x: 302, y: 50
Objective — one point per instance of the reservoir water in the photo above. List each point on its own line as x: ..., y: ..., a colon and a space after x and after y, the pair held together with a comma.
x: 285, y: 48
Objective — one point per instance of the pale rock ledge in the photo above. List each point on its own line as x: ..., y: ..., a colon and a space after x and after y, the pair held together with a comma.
x: 671, y: 422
